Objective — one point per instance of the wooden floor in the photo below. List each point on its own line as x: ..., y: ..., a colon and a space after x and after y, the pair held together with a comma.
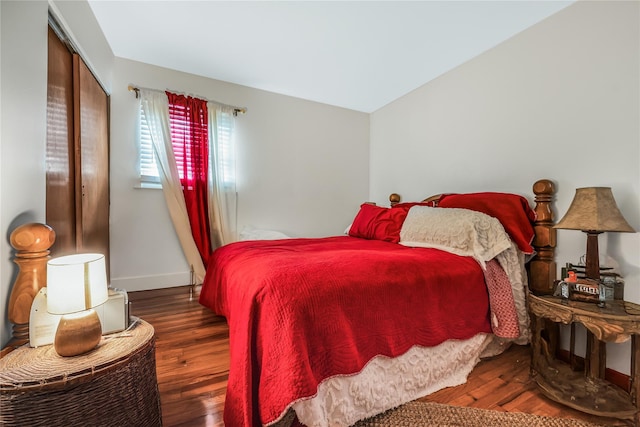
x: 192, y: 356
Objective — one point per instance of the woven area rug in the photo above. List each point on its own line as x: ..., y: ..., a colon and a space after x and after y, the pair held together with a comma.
x: 420, y: 414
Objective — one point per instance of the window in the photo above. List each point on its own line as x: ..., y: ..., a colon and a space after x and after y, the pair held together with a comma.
x: 148, y: 166
x: 226, y: 163
x: 149, y: 176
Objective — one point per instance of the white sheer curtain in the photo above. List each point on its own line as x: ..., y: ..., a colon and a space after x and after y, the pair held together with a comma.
x: 156, y: 109
x: 222, y: 175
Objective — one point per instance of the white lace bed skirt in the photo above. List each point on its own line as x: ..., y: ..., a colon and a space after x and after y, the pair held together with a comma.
x: 385, y: 383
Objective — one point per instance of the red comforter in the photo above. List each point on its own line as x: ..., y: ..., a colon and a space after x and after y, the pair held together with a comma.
x: 302, y: 310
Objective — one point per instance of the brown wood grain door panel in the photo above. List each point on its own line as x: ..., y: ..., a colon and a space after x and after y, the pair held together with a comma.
x: 60, y: 186
x: 77, y: 154
x: 93, y: 159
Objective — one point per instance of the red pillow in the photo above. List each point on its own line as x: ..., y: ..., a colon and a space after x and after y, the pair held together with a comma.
x: 511, y: 210
x: 378, y: 223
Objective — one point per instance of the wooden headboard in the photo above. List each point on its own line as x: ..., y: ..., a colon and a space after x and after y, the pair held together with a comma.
x: 542, y: 268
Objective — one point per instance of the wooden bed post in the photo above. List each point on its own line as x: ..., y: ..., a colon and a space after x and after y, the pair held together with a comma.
x: 31, y: 242
x: 542, y: 268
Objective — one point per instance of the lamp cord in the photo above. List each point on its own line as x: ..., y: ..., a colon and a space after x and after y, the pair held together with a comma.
x: 123, y: 334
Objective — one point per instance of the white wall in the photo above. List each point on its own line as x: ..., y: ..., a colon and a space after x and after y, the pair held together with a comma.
x: 23, y: 94
x: 559, y: 101
x: 303, y: 166
x: 302, y: 169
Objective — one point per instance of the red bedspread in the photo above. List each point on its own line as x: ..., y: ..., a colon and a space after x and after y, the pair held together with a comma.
x: 302, y: 310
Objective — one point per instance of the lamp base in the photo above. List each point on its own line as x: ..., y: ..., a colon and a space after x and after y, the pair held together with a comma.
x: 592, y: 257
x: 77, y: 333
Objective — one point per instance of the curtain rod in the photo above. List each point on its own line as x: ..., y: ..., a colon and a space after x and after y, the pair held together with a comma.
x: 236, y: 110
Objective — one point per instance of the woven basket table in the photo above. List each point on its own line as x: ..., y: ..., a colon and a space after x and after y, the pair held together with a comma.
x: 114, y: 385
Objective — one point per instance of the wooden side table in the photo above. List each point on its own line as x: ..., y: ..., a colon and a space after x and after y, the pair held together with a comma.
x: 113, y: 385
x: 586, y: 391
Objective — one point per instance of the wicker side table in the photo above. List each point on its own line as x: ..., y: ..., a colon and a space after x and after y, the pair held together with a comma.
x: 114, y: 385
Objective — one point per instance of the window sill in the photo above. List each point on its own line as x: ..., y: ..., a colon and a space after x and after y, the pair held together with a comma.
x: 148, y: 185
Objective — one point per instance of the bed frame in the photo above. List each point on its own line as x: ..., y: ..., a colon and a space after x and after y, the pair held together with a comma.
x: 542, y: 267
x: 32, y: 242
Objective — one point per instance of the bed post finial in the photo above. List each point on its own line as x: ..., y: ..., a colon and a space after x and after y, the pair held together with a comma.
x: 31, y: 242
x: 394, y: 198
x: 542, y: 268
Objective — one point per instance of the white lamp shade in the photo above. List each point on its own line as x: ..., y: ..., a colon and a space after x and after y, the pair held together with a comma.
x: 76, y: 283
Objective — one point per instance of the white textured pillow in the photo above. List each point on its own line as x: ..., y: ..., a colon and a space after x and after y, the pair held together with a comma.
x: 251, y: 233
x: 459, y: 231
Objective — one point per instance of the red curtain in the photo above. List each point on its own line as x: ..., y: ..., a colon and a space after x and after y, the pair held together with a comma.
x: 189, y: 134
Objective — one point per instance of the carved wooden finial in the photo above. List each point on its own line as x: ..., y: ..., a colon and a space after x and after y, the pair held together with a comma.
x: 394, y: 198
x: 543, y: 266
x: 544, y: 190
x: 31, y: 242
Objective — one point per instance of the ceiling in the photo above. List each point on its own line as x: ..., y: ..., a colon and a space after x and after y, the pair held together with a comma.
x: 359, y: 55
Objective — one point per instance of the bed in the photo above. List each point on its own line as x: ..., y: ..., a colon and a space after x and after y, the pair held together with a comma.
x: 329, y: 331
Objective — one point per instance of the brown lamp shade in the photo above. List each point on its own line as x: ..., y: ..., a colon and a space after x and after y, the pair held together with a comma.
x: 594, y: 209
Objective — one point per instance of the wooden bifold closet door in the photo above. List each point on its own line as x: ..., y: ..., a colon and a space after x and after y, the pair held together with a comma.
x: 77, y: 189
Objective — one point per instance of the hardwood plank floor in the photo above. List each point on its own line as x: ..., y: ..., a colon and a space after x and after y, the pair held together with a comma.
x: 192, y: 358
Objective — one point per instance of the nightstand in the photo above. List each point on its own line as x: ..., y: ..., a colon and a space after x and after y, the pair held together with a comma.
x: 587, y: 390
x: 113, y: 385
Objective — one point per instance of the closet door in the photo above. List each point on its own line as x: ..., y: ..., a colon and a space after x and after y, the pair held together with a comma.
x: 60, y: 192
x: 92, y: 162
x: 77, y: 154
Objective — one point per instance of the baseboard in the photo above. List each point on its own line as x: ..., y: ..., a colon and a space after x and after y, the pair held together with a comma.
x: 614, y: 377
x: 145, y: 283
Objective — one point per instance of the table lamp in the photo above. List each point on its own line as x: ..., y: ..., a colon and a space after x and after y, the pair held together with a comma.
x: 594, y: 211
x: 75, y: 285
